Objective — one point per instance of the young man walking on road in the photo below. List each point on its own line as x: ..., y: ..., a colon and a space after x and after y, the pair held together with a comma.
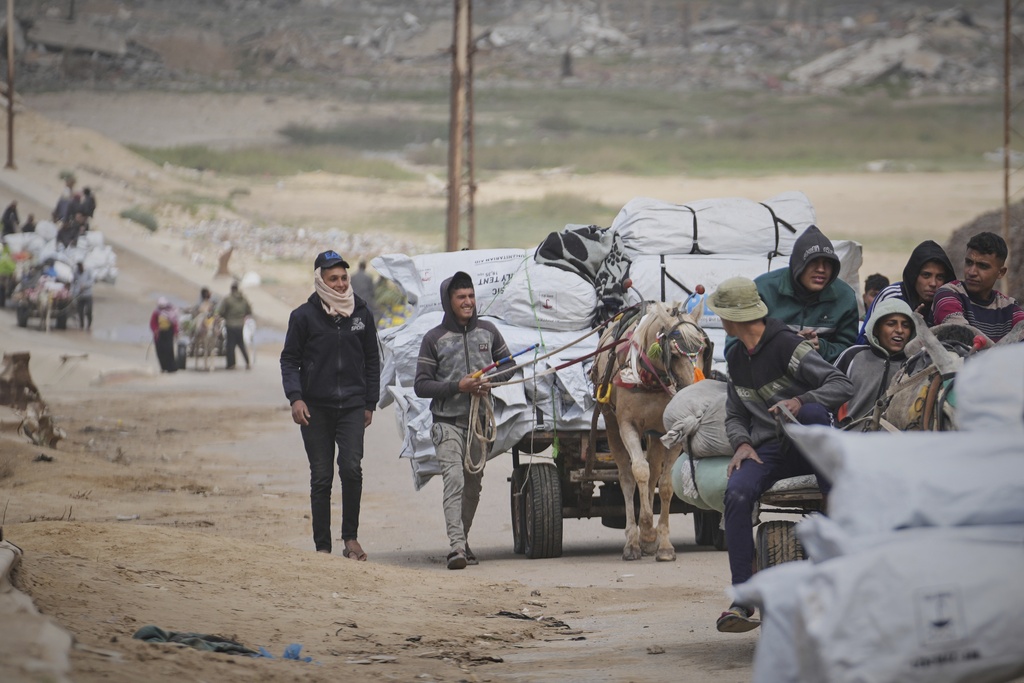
x: 234, y: 309
x: 449, y: 355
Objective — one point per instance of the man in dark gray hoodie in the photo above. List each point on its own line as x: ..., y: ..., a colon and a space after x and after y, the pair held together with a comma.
x: 450, y: 355
x: 770, y: 368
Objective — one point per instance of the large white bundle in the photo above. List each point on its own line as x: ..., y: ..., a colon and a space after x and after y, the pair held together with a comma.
x: 663, y: 278
x: 702, y: 482
x: 420, y: 277
x: 990, y: 390
x: 672, y: 277
x: 931, y: 606
x: 24, y: 241
x: 47, y: 230
x: 913, y: 479
x: 714, y: 226
x: 546, y: 297
x: 695, y: 419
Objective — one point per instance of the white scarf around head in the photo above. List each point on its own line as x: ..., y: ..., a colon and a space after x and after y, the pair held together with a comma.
x: 333, y: 303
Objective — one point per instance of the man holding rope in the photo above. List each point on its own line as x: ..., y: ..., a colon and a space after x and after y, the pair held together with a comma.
x: 447, y: 372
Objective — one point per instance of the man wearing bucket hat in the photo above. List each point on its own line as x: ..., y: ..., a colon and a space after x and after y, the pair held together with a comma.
x: 770, y: 366
x: 330, y: 367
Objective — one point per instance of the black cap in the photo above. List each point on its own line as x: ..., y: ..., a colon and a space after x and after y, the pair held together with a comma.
x: 329, y: 259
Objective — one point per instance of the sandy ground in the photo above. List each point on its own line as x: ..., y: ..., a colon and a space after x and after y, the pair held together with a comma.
x: 208, y: 475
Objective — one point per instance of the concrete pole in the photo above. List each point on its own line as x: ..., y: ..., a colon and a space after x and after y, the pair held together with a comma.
x: 10, y: 84
x: 1007, y: 127
x: 457, y: 122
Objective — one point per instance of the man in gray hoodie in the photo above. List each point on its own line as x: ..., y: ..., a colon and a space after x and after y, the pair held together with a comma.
x: 450, y: 355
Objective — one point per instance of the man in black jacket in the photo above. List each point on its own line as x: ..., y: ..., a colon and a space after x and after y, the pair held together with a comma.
x: 330, y: 367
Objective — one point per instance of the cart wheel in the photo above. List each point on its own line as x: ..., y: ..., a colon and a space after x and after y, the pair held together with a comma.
x: 62, y: 321
x: 777, y: 543
x: 542, y: 512
x: 516, y: 498
x: 22, y: 315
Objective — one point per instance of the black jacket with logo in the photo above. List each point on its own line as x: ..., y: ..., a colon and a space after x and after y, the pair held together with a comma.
x: 331, y: 361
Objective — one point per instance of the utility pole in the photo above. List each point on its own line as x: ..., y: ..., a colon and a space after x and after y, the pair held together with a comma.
x: 1007, y: 112
x: 461, y: 184
x: 10, y: 84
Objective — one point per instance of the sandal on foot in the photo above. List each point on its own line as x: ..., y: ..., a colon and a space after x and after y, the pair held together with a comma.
x: 457, y: 559
x: 737, y: 619
x: 353, y: 551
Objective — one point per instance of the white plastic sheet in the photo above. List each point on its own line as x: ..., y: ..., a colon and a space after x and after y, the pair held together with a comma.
x: 990, y: 391
x: 728, y: 225
x: 545, y: 297
x: 887, y: 481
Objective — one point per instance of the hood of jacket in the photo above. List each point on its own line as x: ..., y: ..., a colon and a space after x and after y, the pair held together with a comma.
x: 772, y: 329
x: 884, y: 308
x: 922, y: 254
x: 810, y: 245
x: 449, y: 321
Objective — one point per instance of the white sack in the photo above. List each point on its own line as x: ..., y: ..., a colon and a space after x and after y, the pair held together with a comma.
x: 47, y: 230
x: 990, y: 390
x: 708, y: 491
x: 888, y: 481
x: 695, y: 419
x: 420, y: 276
x: 714, y: 226
x: 851, y: 258
x: 659, y: 278
x: 546, y: 297
x: 896, y: 613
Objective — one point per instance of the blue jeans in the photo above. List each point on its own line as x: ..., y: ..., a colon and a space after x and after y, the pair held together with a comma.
x: 781, y: 460
x: 329, y: 428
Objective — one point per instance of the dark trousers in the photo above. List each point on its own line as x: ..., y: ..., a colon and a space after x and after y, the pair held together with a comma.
x: 331, y: 428
x: 165, y: 350
x: 84, y: 311
x: 781, y: 460
x: 233, y: 339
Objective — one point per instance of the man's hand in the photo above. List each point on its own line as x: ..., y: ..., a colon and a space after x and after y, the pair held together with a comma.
x: 300, y: 413
x: 793, y: 404
x: 811, y: 336
x: 367, y: 418
x: 744, y: 452
x: 477, y: 386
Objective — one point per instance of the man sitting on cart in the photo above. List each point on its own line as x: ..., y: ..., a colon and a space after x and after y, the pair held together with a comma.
x: 450, y: 356
x: 770, y: 368
x: 872, y: 367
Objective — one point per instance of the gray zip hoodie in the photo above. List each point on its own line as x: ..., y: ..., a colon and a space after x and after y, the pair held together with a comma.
x: 451, y: 351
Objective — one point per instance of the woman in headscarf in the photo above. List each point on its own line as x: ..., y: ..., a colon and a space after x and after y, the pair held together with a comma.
x: 164, y: 325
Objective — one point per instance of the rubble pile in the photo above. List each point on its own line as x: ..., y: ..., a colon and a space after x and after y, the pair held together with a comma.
x: 208, y: 238
x: 928, y: 47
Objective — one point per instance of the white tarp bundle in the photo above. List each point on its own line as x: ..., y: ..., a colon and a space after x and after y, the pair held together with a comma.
x: 990, y: 390
x: 695, y: 419
x: 714, y: 226
x: 557, y: 401
x: 927, y: 606
x: 90, y: 250
x: 674, y: 277
x: 546, y: 297
x: 917, y: 479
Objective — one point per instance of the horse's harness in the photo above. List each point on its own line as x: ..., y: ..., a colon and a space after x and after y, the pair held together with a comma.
x: 669, y: 343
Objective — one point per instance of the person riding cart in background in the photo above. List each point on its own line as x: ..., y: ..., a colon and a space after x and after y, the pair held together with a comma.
x: 872, y: 367
x: 770, y: 368
x: 450, y: 355
x: 927, y: 269
x: 330, y: 369
x: 974, y: 300
x: 810, y: 298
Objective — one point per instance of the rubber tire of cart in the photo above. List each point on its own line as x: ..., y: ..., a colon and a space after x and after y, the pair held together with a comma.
x: 22, y: 315
x: 542, y: 512
x: 776, y: 543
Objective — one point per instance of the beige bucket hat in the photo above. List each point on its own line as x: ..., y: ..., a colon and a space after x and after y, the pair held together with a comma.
x: 737, y: 300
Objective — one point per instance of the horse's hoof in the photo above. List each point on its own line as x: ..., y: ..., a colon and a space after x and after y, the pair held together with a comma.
x: 630, y: 554
x: 666, y: 556
x: 649, y: 548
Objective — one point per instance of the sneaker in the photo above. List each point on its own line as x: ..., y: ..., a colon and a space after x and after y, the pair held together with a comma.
x: 470, y: 557
x: 457, y: 559
x: 737, y: 619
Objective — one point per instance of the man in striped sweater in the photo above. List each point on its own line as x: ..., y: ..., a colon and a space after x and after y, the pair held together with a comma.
x: 974, y: 300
